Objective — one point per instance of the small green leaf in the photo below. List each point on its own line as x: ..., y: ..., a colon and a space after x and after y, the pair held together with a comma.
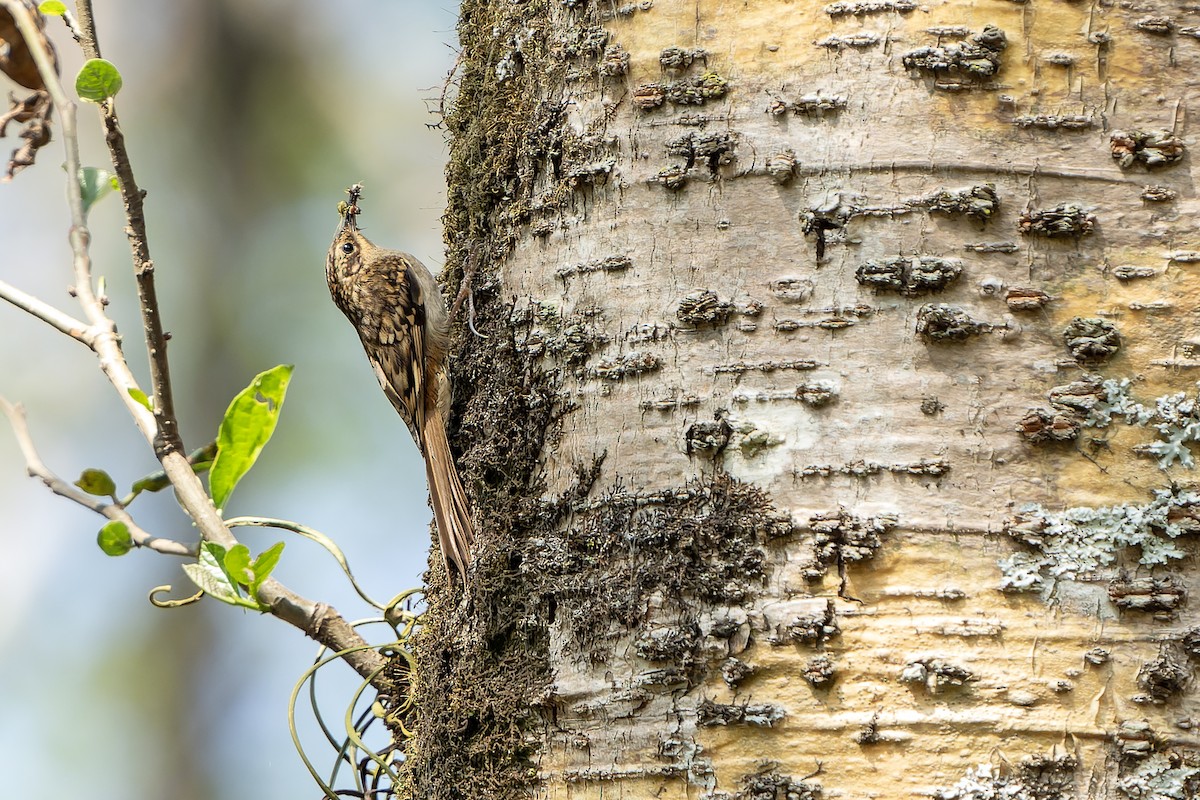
x: 237, y: 564
x: 140, y: 396
x: 52, y: 8
x: 95, y: 183
x: 114, y: 539
x: 150, y: 483
x: 209, y: 574
x: 97, y: 80
x: 247, y: 427
x: 264, y: 565
x: 96, y: 482
x: 213, y: 583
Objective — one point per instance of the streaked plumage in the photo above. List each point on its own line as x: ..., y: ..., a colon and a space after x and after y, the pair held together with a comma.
x: 393, y: 301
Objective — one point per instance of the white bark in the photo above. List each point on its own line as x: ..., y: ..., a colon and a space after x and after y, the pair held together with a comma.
x: 895, y: 456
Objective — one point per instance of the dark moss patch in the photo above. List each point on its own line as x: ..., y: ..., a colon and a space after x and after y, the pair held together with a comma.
x: 695, y: 547
x: 482, y: 666
x: 511, y: 154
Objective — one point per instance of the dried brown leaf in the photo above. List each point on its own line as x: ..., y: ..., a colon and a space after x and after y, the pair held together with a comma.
x: 16, y: 60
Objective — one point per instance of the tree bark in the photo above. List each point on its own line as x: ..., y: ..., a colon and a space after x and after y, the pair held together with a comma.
x: 826, y: 434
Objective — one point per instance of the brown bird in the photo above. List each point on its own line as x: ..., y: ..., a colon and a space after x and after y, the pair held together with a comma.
x: 394, y: 303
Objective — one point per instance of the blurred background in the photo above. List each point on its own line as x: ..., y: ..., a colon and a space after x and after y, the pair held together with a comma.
x: 245, y: 121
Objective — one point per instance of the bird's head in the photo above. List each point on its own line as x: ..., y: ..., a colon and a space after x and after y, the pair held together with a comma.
x: 349, y: 250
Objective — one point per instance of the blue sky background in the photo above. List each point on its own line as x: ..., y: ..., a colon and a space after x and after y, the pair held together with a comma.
x: 245, y: 121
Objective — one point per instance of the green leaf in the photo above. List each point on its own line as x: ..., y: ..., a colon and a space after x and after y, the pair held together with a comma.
x: 97, y: 80
x: 209, y: 574
x: 114, y: 539
x: 96, y: 482
x: 246, y: 429
x: 150, y: 483
x: 53, y: 8
x: 264, y: 565
x: 140, y: 396
x: 95, y: 183
x: 237, y: 564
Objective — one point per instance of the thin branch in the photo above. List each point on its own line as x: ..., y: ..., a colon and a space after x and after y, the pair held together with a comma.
x: 87, y: 33
x: 168, y: 438
x: 61, y: 321
x: 38, y: 469
x: 73, y: 26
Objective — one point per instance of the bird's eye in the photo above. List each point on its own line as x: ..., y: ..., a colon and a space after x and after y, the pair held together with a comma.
x: 347, y: 248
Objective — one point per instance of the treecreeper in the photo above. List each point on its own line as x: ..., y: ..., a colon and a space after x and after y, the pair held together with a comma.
x: 394, y: 303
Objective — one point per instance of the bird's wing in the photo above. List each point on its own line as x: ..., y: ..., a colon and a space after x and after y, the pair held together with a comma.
x: 399, y: 354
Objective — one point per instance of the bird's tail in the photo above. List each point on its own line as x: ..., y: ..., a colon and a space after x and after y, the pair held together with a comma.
x: 456, y: 531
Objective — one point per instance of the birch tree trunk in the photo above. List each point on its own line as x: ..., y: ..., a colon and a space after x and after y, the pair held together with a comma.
x: 831, y: 433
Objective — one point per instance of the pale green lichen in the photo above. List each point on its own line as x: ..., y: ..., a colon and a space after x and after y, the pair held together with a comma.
x: 1116, y: 401
x: 1034, y: 778
x: 1161, y: 777
x: 1077, y: 543
x: 1176, y: 417
x: 754, y: 441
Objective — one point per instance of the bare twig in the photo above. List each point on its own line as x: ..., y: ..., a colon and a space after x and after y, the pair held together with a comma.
x: 65, y: 323
x: 168, y: 438
x: 87, y: 33
x: 443, y: 92
x: 73, y: 26
x: 38, y: 469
